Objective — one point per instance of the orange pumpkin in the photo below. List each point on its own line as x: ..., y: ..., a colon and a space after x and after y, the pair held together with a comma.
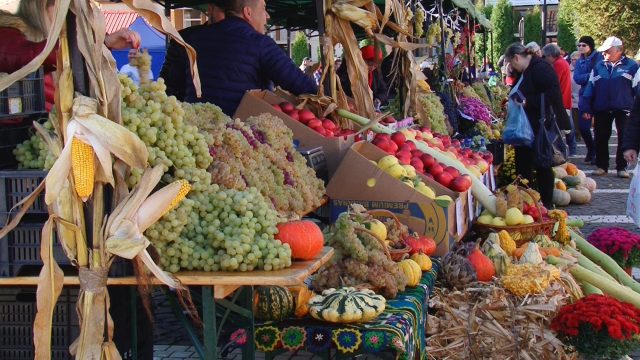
x: 303, y: 236
x: 303, y: 294
x: 572, y: 169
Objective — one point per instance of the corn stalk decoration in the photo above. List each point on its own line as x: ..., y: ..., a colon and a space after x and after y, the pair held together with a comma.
x: 339, y: 15
x: 94, y: 151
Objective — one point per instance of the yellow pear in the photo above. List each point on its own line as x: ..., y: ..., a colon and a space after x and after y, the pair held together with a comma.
x: 387, y: 161
x: 397, y: 171
x: 485, y: 219
x: 425, y: 190
x: 411, y: 171
x: 527, y: 219
x: 514, y: 217
x: 498, y: 221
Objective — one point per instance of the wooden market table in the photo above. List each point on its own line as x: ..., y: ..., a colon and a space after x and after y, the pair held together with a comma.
x: 216, y: 287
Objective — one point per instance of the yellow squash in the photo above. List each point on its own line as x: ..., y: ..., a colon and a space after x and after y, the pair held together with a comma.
x: 411, y: 271
x: 422, y: 260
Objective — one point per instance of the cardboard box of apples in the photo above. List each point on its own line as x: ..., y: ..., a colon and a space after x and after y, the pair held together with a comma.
x: 401, y: 145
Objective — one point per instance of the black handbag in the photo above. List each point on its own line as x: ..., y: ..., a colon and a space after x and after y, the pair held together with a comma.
x: 549, y: 145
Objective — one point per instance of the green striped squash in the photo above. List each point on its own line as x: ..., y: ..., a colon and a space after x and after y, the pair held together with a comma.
x: 346, y: 305
x: 272, y: 303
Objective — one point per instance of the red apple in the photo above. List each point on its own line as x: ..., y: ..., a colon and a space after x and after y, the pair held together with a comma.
x: 398, y: 138
x: 427, y: 160
x: 444, y: 178
x: 453, y: 171
x: 328, y: 124
x: 417, y: 153
x: 461, y: 183
x: 411, y: 144
x: 405, y: 147
x: 277, y: 107
x: 328, y: 133
x: 417, y: 164
x: 305, y: 116
x: 435, y: 170
x: 384, y: 145
x: 294, y: 114
x: 455, y: 143
x: 287, y: 107
x: 313, y: 123
x: 393, y: 147
x: 383, y: 136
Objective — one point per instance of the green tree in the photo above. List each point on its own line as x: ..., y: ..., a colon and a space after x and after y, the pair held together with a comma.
x: 566, y: 38
x: 483, y: 38
x: 533, y: 26
x: 502, y: 20
x: 603, y: 18
x: 299, y: 48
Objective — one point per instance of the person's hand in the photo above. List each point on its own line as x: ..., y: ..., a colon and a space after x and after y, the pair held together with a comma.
x: 631, y: 156
x: 586, y: 116
x: 122, y: 39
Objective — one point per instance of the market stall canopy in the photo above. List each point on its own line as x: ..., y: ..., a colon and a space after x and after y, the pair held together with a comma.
x: 470, y: 8
x: 152, y: 40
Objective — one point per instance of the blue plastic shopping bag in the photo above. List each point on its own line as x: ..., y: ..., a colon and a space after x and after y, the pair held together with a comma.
x: 517, y: 129
x: 633, y: 201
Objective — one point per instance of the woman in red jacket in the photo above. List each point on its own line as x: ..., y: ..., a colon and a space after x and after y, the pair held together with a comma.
x: 24, y: 35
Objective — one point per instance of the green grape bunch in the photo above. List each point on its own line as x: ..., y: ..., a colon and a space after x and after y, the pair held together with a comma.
x: 419, y: 19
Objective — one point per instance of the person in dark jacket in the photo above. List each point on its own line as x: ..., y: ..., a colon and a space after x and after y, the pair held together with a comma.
x: 372, y: 57
x: 536, y: 77
x: 631, y: 141
x: 235, y: 55
x: 608, y: 97
x: 176, y: 59
x: 588, y: 59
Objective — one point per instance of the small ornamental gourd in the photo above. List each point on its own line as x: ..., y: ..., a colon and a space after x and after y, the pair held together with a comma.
x: 559, y: 172
x: 421, y: 244
x: 571, y: 181
x: 506, y: 242
x: 531, y: 255
x: 485, y: 271
x: 411, y: 271
x: 571, y: 169
x: 303, y: 295
x: 272, y: 303
x: 304, y: 237
x: 423, y: 261
x: 491, y: 248
x: 525, y: 279
x: 346, y: 305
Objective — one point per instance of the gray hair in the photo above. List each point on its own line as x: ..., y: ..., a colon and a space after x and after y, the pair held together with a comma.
x: 533, y: 47
x: 619, y: 48
x: 575, y: 55
x: 552, y: 51
x: 34, y: 13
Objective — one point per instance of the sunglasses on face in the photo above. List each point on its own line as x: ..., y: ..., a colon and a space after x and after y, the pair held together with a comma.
x: 582, y: 45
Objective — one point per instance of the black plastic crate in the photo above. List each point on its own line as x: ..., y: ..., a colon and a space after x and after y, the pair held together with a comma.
x: 12, y: 133
x: 15, y: 185
x: 17, y: 312
x: 20, y: 254
x: 24, y: 97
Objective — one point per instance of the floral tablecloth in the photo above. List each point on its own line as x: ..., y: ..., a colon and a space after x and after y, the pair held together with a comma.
x: 401, y: 328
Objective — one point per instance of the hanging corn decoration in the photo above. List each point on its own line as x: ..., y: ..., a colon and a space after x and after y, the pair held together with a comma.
x: 83, y: 167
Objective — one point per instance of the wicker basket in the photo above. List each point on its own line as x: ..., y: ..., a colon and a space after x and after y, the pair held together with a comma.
x: 393, y: 254
x: 520, y: 233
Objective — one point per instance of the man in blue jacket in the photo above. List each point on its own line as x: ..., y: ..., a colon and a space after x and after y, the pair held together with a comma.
x: 235, y: 55
x: 609, y: 97
x: 589, y: 57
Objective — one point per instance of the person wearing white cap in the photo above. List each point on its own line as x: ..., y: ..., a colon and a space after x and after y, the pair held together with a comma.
x: 609, y: 97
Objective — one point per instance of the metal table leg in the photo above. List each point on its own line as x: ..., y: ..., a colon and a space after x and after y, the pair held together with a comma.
x: 134, y: 321
x: 209, y: 320
x: 249, y: 350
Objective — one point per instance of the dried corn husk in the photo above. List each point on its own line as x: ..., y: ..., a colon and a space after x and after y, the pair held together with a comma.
x: 487, y: 322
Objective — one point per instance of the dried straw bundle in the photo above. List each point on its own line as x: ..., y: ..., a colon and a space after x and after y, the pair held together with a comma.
x: 486, y: 322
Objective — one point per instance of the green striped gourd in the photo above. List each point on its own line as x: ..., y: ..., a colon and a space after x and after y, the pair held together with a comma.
x: 272, y: 303
x: 346, y: 305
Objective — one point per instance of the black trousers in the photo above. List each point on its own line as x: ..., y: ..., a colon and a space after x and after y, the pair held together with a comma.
x: 544, y: 179
x: 603, y: 125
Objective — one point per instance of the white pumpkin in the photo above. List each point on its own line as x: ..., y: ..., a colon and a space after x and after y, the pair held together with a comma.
x: 590, y: 184
x: 561, y: 197
x: 579, y: 195
x: 560, y: 172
